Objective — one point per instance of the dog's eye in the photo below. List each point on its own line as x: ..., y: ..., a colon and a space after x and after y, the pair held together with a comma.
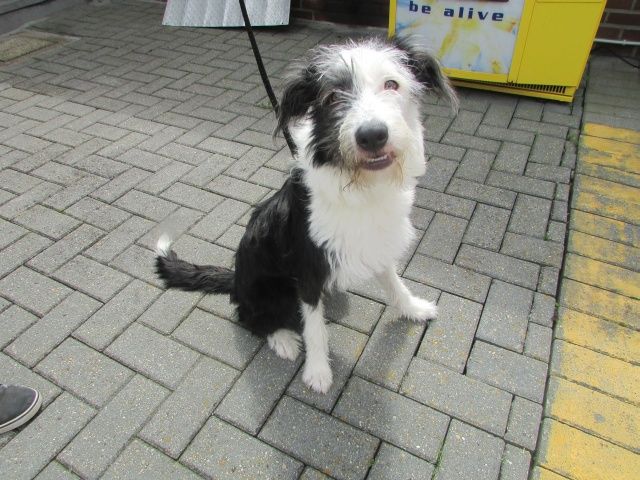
x: 333, y: 97
x: 391, y: 85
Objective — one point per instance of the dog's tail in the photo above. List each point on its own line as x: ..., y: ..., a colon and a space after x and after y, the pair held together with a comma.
x: 179, y: 274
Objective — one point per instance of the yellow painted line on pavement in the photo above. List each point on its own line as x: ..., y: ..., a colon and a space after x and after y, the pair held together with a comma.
x: 601, y: 303
x: 606, y: 374
x: 603, y: 275
x: 591, y: 429
x: 598, y: 335
x: 612, y: 147
x: 606, y: 206
x: 605, y: 131
x: 600, y: 414
x: 604, y: 227
x: 540, y: 473
x: 604, y: 250
x: 607, y: 188
x: 622, y: 155
x: 580, y: 456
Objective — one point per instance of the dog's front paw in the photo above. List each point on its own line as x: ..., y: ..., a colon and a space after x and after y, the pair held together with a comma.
x: 286, y: 343
x: 419, y: 309
x: 317, y: 376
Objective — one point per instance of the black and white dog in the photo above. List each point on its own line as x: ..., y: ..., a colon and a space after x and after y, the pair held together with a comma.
x: 342, y: 216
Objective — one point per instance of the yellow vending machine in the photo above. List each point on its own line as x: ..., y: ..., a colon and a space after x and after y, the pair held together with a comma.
x: 529, y: 47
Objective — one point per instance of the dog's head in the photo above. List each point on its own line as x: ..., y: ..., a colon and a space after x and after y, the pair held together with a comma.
x: 362, y: 103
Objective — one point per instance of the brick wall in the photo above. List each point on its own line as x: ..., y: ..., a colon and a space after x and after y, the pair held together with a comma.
x: 350, y: 12
x: 621, y: 19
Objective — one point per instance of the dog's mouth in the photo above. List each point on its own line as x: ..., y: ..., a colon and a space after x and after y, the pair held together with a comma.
x: 377, y: 161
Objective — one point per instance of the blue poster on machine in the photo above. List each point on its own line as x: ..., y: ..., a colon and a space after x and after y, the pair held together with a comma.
x: 468, y: 35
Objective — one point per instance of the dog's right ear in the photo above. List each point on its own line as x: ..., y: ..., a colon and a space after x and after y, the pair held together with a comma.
x: 299, y: 93
x: 426, y: 69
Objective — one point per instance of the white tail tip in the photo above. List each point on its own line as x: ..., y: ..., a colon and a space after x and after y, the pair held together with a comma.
x: 164, y: 245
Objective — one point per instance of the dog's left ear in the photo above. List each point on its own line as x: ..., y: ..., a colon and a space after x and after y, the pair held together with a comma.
x: 298, y: 95
x: 427, y: 70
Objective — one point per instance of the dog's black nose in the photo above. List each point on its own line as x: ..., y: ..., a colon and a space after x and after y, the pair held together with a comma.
x: 372, y: 135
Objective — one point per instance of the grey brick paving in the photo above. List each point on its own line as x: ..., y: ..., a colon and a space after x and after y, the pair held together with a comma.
x: 346, y: 347
x: 65, y: 249
x: 475, y: 165
x: 449, y: 278
x: 55, y: 471
x: 133, y: 130
x: 502, y: 368
x: 547, y: 150
x: 116, y: 315
x: 393, y: 418
x: 524, y: 422
x: 166, y: 313
x: 530, y: 216
x: 152, y: 354
x: 498, y: 266
x: 145, y: 205
x: 18, y: 252
x: 255, y: 393
x: 439, y: 173
x: 218, y: 338
x: 13, y: 321
x: 443, y: 237
x: 353, y: 311
x: 469, y: 453
x: 92, y: 278
x: 38, y: 443
x: 84, y: 372
x: 340, y: 450
x: 47, y: 221
x: 52, y: 329
x: 21, y: 375
x: 98, y: 444
x: 116, y: 241
x: 142, y: 461
x: 391, y: 462
x: 449, y: 338
x: 394, y: 339
x: 499, y: 197
x: 457, y: 395
x: 170, y: 429
x: 442, y: 202
x: 505, y: 316
x: 222, y: 217
x: 487, y: 227
x: 515, y: 464
x: 97, y: 213
x: 17, y: 204
x: 542, y: 252
x: 192, y: 197
x: 522, y: 184
x: 222, y: 451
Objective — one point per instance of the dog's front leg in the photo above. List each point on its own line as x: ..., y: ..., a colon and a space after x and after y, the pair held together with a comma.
x: 410, y: 306
x: 317, y: 372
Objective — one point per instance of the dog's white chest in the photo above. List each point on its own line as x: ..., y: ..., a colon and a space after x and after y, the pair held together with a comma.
x: 365, y: 240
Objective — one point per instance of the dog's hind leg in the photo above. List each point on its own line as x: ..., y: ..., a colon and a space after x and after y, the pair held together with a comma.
x: 285, y: 342
x: 410, y: 306
x: 317, y: 372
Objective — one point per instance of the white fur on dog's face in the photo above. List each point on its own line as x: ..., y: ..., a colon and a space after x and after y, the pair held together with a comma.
x: 355, y: 109
x: 383, y: 90
x: 352, y: 85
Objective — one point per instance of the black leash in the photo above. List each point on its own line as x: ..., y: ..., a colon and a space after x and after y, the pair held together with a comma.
x: 263, y: 75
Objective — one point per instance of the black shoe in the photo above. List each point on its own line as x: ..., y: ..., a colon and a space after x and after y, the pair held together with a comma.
x: 18, y: 405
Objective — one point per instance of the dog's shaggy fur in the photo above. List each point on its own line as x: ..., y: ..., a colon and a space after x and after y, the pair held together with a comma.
x: 342, y: 216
